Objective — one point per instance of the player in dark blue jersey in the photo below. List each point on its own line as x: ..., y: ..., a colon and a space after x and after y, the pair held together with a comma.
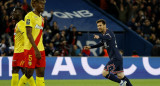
x: 115, y: 65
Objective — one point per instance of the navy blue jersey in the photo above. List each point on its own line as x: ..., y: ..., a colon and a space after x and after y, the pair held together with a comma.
x: 108, y: 40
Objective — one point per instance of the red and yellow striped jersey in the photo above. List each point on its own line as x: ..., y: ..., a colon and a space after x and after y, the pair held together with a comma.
x: 37, y: 24
x: 19, y: 33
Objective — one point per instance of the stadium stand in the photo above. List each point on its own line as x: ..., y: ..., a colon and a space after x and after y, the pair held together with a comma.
x: 82, y: 15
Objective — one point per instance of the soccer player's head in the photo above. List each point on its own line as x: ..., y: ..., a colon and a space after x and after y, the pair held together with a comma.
x: 18, y: 14
x: 38, y: 5
x: 101, y: 25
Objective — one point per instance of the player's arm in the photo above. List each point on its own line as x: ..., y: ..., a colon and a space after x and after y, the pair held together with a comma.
x: 94, y: 46
x: 30, y: 37
x: 104, y: 37
x: 97, y: 45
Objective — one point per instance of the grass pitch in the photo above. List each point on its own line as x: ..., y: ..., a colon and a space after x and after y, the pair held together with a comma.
x: 135, y: 82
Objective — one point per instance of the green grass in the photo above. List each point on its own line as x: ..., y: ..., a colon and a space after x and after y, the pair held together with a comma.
x: 135, y: 82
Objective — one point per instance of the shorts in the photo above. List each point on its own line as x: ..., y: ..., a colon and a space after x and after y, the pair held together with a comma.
x: 32, y: 62
x: 18, y: 60
x: 114, y: 66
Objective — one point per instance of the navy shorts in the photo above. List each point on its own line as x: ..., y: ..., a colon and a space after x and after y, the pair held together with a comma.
x: 114, y: 66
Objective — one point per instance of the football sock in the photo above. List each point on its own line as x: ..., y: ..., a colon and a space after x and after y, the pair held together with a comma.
x: 113, y: 78
x: 15, y: 78
x: 31, y: 81
x: 127, y: 80
x: 23, y: 80
x: 40, y: 81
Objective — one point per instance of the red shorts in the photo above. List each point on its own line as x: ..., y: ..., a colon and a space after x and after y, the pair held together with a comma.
x: 32, y: 62
x: 18, y: 60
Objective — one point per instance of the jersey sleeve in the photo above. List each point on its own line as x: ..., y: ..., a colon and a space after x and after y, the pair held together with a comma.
x: 107, y: 36
x: 28, y: 20
x: 22, y: 27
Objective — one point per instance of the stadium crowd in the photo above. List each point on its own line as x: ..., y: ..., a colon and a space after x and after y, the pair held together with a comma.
x: 56, y: 42
x: 142, y: 16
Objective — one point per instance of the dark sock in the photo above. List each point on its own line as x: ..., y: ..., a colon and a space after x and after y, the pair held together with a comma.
x: 113, y: 78
x: 127, y: 80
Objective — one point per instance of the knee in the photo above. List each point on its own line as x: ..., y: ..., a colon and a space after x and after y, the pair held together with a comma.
x: 29, y: 74
x: 40, y: 73
x: 120, y: 76
x: 105, y: 73
x: 15, y: 70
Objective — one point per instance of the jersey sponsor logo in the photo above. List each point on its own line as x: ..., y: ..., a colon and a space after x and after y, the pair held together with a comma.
x: 35, y: 17
x: 28, y: 22
x: 38, y: 27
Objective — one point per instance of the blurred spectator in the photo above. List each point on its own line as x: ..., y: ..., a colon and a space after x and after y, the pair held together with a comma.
x: 47, y: 36
x: 26, y: 7
x: 86, y: 52
x: 47, y: 21
x: 64, y: 49
x: 63, y: 36
x: 73, y: 36
x: 112, y: 8
x: 135, y: 54
x: 56, y: 53
x: 3, y: 48
x: 76, y: 51
x: 153, y: 39
x: 56, y: 41
x: 54, y: 28
x: 132, y: 24
x: 147, y: 28
x: 50, y: 50
x: 156, y: 49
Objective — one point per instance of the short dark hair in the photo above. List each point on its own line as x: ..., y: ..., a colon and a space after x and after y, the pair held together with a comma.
x: 101, y: 20
x: 33, y: 1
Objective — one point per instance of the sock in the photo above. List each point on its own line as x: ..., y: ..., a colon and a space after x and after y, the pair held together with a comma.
x: 127, y: 80
x: 113, y: 78
x: 31, y: 81
x: 40, y: 81
x: 15, y: 78
x: 23, y: 80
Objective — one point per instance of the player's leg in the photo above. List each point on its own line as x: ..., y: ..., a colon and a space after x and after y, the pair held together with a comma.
x: 23, y: 70
x: 17, y: 63
x: 30, y: 81
x: 24, y: 79
x: 107, y: 72
x: 110, y: 76
x: 109, y: 69
x: 40, y: 68
x: 30, y: 66
x: 122, y: 77
x: 40, y: 76
x: 15, y: 76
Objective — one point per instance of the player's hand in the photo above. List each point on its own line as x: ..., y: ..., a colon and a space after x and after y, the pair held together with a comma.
x: 96, y: 36
x: 87, y: 47
x: 38, y: 54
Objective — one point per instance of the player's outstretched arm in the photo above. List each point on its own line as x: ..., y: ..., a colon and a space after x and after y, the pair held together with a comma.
x: 30, y: 37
